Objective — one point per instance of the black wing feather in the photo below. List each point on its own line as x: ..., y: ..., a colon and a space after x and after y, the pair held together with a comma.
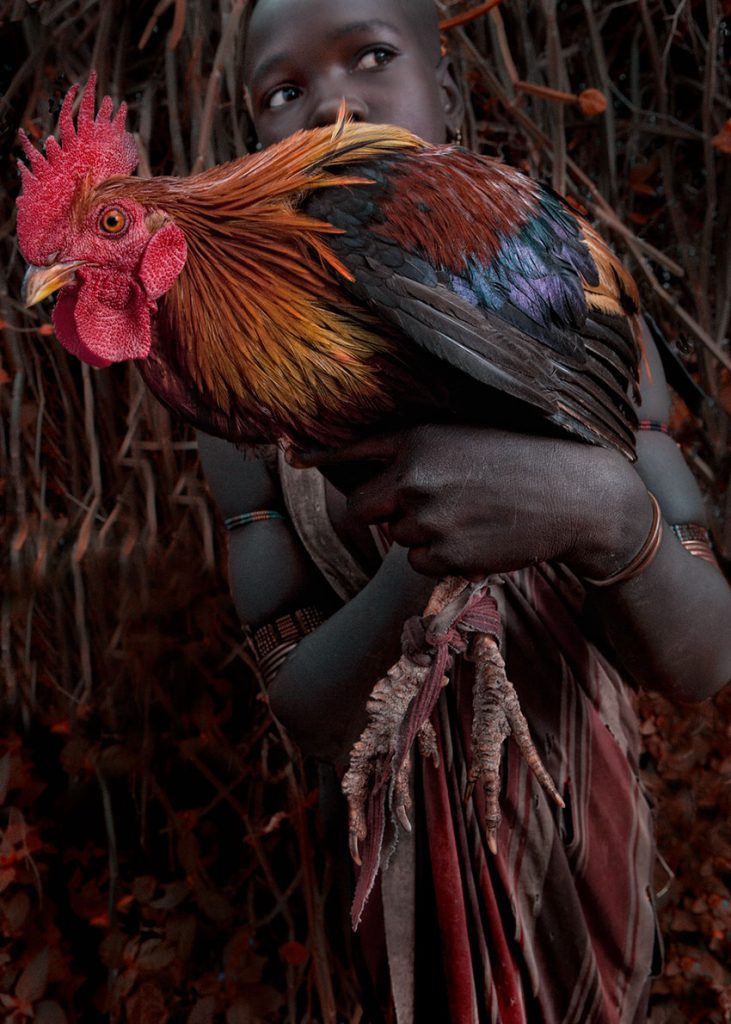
x: 574, y: 365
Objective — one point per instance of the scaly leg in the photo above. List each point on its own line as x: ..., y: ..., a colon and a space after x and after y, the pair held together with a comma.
x: 387, y: 708
x: 496, y: 714
x: 386, y: 738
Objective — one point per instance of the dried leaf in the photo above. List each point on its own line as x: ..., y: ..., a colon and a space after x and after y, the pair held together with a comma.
x: 49, y: 1012
x: 16, y: 911
x: 34, y: 979
x: 722, y: 141
x: 112, y: 949
x: 203, y: 1012
x: 213, y: 904
x: 155, y: 955
x: 255, y: 1005
x: 181, y: 930
x: 175, y: 893
x: 147, y: 1005
x: 7, y: 876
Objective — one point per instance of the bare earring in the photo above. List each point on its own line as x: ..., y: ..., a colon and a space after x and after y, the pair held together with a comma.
x: 456, y: 137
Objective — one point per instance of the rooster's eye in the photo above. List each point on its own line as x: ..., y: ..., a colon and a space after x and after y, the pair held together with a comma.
x: 112, y: 221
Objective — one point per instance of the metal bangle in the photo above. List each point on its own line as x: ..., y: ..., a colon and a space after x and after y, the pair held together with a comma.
x: 644, y: 556
x: 695, y: 539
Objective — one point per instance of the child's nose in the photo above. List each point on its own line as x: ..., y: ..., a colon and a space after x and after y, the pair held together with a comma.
x: 326, y: 109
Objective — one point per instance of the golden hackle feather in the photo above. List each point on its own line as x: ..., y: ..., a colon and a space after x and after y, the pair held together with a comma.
x: 256, y: 307
x: 616, y: 292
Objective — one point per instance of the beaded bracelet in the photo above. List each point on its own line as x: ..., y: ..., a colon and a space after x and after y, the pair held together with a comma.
x: 260, y: 516
x: 272, y: 642
x: 658, y: 425
x: 643, y: 557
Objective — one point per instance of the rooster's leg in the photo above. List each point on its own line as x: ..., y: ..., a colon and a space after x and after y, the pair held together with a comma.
x: 380, y: 757
x: 497, y: 715
x: 387, y: 708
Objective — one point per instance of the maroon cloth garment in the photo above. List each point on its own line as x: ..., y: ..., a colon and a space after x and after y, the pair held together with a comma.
x: 559, y: 927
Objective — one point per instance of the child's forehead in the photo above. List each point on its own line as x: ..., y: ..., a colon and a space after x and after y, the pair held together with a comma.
x: 281, y: 21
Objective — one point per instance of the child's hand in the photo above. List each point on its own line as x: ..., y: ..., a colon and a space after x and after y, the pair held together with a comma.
x: 472, y: 501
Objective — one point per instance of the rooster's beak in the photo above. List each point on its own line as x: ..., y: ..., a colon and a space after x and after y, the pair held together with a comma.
x: 40, y: 282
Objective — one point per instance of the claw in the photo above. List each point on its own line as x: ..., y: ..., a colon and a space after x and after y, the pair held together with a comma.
x: 519, y: 729
x: 387, y: 709
x: 497, y: 715
x: 401, y: 797
x: 403, y: 817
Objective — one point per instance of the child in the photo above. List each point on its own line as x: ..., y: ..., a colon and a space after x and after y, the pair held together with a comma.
x: 559, y: 925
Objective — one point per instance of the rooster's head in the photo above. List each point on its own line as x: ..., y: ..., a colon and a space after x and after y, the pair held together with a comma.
x: 111, y: 257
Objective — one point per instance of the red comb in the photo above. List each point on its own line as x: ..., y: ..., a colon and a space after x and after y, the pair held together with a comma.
x: 96, y: 148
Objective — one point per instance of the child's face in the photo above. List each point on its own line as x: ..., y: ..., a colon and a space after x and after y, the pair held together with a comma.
x: 304, y: 56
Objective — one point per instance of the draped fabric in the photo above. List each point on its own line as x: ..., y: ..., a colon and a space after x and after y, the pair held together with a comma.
x: 559, y: 926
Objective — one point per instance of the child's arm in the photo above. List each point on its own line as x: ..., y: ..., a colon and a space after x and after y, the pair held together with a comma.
x: 320, y: 694
x: 450, y: 492
x: 696, y: 621
x: 458, y: 488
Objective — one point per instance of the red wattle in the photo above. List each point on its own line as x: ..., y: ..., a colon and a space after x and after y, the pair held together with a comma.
x: 104, y: 319
x: 65, y: 324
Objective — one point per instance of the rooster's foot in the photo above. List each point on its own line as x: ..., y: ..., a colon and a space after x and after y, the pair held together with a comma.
x: 497, y: 715
x: 387, y: 707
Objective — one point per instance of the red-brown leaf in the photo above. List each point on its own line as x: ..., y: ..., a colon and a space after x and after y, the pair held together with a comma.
x: 155, y: 955
x: 722, y: 141
x: 49, y: 1012
x: 34, y: 979
x: 203, y: 1012
x: 16, y: 911
x: 147, y: 1006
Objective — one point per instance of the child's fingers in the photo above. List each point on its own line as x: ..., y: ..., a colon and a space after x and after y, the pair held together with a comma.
x: 373, y: 501
x: 380, y: 448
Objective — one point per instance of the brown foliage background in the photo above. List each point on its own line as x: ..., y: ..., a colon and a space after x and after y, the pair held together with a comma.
x: 158, y: 836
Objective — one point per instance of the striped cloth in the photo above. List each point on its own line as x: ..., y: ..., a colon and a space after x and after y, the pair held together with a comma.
x: 559, y: 927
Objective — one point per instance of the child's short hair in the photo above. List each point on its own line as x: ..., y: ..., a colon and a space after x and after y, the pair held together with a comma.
x: 425, y: 14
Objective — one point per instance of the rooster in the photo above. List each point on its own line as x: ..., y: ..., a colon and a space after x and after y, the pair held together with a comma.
x: 347, y: 280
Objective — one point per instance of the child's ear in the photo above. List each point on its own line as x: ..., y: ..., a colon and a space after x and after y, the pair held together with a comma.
x: 452, y: 99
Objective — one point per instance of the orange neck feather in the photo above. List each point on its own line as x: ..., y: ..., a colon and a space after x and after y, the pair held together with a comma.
x: 253, y: 316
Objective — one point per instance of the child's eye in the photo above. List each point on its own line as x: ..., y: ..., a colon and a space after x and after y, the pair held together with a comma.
x: 281, y: 96
x: 376, y: 57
